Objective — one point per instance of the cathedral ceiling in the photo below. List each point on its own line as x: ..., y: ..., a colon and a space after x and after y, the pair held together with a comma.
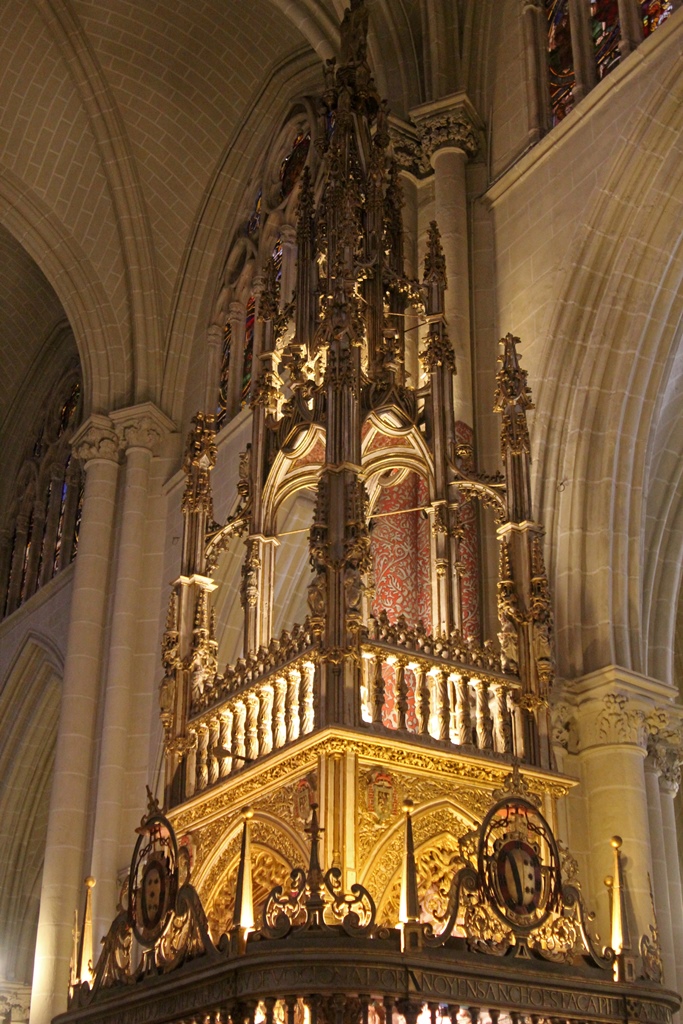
x: 29, y: 314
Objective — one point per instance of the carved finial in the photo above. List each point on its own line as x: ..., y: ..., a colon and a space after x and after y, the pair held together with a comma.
x: 435, y: 261
x: 85, y: 958
x: 354, y: 34
x: 74, y: 977
x: 243, y: 915
x: 268, y: 307
x: 619, y: 940
x: 409, y: 908
x: 152, y: 804
x: 315, y: 875
x: 515, y: 784
x: 305, y: 208
x: 512, y: 397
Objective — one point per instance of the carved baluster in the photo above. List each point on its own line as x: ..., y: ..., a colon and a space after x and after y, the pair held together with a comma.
x: 202, y: 766
x: 279, y: 723
x: 265, y: 719
x: 251, y: 731
x: 225, y: 743
x: 502, y: 723
x: 401, y: 693
x: 422, y: 700
x: 377, y: 691
x: 290, y: 1004
x: 239, y: 749
x: 293, y: 717
x: 214, y: 733
x: 444, y: 711
x: 484, y: 721
x: 463, y: 718
x: 308, y: 697
x: 269, y: 1002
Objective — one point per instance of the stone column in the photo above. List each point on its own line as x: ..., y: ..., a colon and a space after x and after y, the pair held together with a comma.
x: 141, y: 430
x: 613, y: 748
x: 410, y: 159
x: 448, y: 129
x: 96, y: 444
x: 660, y: 880
x: 669, y: 781
x: 631, y: 25
x: 583, y: 51
x: 535, y: 46
x: 214, y: 362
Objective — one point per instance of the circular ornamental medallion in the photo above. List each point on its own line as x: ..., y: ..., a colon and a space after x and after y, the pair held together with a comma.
x: 153, y: 880
x: 519, y: 864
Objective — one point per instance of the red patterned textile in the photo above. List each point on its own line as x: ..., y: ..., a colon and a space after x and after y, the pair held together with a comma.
x: 400, y: 553
x: 469, y: 552
x: 390, y: 708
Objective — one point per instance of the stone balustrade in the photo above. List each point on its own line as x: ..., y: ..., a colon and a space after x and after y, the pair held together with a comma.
x: 438, y: 698
x: 254, y: 719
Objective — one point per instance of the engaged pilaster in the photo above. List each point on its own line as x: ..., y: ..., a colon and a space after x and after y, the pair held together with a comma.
x: 618, y: 716
x: 140, y: 431
x: 449, y: 133
x: 96, y: 444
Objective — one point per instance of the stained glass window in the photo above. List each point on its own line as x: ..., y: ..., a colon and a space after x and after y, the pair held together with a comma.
x: 276, y: 257
x: 69, y: 408
x: 255, y: 220
x: 248, y: 348
x: 222, y: 410
x: 654, y: 13
x: 560, y: 59
x: 294, y: 163
x: 606, y: 34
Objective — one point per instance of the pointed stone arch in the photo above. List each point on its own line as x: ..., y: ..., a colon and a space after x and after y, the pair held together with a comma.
x: 29, y: 705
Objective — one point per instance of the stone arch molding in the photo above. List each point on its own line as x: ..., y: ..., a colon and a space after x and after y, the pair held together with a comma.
x: 104, y: 352
x: 29, y: 705
x: 607, y: 411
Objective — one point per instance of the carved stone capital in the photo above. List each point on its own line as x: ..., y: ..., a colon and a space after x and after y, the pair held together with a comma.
x: 141, y: 426
x: 236, y: 311
x: 450, y: 123
x: 665, y: 759
x: 613, y: 718
x: 407, y: 148
x: 96, y: 439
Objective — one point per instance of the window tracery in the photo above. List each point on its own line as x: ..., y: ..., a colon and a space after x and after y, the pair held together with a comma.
x: 41, y: 537
x: 586, y: 40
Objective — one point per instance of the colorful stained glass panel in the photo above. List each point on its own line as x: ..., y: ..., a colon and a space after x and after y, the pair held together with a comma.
x: 606, y: 34
x: 560, y: 60
x: 655, y: 13
x: 294, y: 163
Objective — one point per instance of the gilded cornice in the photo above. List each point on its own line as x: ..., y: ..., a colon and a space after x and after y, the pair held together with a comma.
x: 412, y: 757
